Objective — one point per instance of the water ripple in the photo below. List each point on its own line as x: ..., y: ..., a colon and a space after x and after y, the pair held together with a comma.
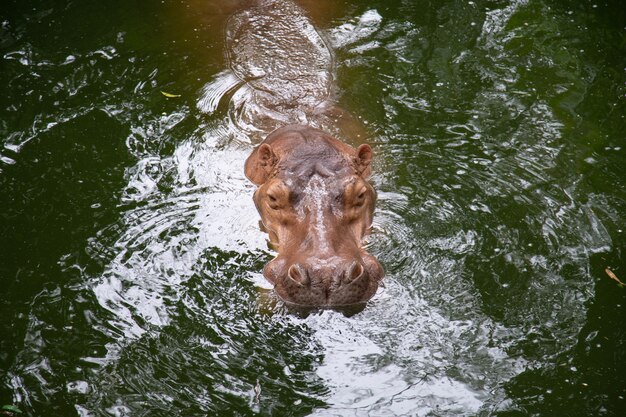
x: 485, y: 225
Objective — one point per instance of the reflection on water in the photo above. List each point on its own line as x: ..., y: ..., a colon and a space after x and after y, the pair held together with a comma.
x: 483, y: 224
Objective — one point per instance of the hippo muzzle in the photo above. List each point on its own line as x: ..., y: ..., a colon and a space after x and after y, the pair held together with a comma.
x: 316, y: 204
x: 325, y: 282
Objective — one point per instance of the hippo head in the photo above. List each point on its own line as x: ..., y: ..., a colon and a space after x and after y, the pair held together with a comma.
x: 316, y: 204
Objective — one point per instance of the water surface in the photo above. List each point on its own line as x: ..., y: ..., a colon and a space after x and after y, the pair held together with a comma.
x: 131, y: 251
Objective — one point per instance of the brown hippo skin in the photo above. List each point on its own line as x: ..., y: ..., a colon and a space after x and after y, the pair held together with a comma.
x: 313, y: 195
x: 316, y: 204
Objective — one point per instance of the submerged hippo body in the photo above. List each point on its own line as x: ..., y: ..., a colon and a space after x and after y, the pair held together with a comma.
x: 313, y: 196
x: 274, y: 48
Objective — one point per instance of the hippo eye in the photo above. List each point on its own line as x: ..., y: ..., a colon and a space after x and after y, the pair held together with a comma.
x: 360, y: 198
x: 273, y: 201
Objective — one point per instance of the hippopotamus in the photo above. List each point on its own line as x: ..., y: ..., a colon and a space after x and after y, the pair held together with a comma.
x: 313, y: 193
x: 317, y: 205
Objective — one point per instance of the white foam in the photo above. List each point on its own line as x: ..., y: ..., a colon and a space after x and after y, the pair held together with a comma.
x: 355, y: 31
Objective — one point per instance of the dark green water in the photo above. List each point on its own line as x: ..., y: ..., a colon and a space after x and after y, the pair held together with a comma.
x: 130, y: 265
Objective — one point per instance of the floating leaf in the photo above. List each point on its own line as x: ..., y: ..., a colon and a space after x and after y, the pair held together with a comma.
x: 170, y: 95
x: 613, y: 276
x: 12, y: 409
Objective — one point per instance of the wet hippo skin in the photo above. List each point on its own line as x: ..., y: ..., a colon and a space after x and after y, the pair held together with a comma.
x: 316, y: 204
x: 313, y: 195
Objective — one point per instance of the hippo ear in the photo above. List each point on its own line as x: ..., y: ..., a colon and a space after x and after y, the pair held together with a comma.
x: 260, y: 164
x: 363, y: 160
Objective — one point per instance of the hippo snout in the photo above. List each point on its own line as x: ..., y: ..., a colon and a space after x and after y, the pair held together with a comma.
x: 319, y: 282
x: 299, y: 274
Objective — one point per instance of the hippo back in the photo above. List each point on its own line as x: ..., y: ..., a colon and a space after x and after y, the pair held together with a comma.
x: 274, y: 48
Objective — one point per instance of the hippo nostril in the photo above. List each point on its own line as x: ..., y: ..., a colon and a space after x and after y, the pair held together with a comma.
x: 299, y: 275
x: 353, y: 272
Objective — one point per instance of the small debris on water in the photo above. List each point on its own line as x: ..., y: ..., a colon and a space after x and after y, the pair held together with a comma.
x: 10, y: 410
x: 613, y: 276
x: 257, y: 392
